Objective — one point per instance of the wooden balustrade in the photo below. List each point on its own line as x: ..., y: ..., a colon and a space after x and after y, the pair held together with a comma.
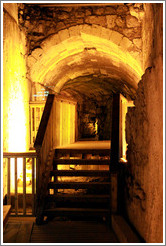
x: 17, y: 195
x: 50, y: 134
x: 44, y: 148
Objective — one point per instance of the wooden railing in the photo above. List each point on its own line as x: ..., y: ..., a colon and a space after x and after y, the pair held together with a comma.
x: 26, y: 165
x: 44, y: 148
x: 48, y: 137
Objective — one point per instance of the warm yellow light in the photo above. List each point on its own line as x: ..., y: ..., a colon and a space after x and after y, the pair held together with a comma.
x: 16, y: 127
x: 123, y: 159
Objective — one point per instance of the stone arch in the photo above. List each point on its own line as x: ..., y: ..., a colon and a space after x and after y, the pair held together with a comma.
x: 63, y: 56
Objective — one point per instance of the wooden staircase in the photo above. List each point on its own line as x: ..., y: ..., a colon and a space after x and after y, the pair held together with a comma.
x: 79, y: 188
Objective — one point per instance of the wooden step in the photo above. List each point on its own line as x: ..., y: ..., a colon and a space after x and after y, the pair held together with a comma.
x: 81, y: 162
x: 76, y: 211
x: 103, y: 152
x: 78, y: 173
x: 76, y: 185
x: 78, y: 197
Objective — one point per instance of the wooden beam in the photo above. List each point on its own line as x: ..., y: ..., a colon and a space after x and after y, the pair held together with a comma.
x: 6, y: 211
x: 44, y: 121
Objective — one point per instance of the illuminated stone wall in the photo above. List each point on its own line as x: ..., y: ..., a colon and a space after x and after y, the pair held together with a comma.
x: 144, y: 190
x: 99, y: 39
x: 124, y: 20
x: 15, y: 85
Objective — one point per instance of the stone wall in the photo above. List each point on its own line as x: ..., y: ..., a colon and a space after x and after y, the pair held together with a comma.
x: 15, y: 86
x: 144, y: 129
x: 124, y: 19
x: 94, y: 118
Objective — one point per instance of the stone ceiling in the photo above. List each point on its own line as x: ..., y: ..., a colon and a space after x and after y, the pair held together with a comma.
x: 90, y: 50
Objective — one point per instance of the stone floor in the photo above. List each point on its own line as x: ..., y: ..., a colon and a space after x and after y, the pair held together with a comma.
x: 25, y: 230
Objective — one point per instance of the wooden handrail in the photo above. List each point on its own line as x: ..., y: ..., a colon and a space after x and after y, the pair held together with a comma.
x: 19, y: 154
x: 44, y: 121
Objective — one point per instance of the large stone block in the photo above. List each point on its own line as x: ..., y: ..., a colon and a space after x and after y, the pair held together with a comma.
x: 63, y: 34
x: 60, y: 25
x: 50, y: 41
x: 98, y: 20
x: 106, y: 33
x: 116, y: 37
x: 96, y: 30
x: 120, y: 21
x: 74, y: 31
x: 125, y: 43
x: 86, y: 29
x: 30, y: 61
x: 122, y: 9
x: 111, y: 21
x: 131, y: 21
x: 138, y: 42
x: 63, y: 16
x: 99, y: 11
x: 110, y: 10
x: 37, y: 53
x: 132, y: 33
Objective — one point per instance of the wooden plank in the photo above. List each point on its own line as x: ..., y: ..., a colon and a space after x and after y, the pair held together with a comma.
x: 17, y: 231
x: 82, y: 161
x: 87, y: 173
x: 76, y: 211
x: 6, y: 211
x: 16, y: 194
x: 76, y: 185
x: 83, y: 151
x: 24, y: 233
x: 33, y: 187
x: 10, y: 232
x: 44, y: 121
x: 24, y: 186
x: 83, y: 198
x: 19, y: 154
x: 79, y: 195
x: 8, y: 182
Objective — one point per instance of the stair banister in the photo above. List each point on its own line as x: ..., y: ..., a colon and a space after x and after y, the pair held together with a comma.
x: 44, y: 148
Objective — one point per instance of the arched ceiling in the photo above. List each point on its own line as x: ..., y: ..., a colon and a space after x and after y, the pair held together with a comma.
x: 86, y: 65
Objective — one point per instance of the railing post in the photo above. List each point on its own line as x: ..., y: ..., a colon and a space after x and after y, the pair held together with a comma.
x: 24, y: 186
x: 16, y: 194
x: 33, y: 188
x: 8, y: 182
